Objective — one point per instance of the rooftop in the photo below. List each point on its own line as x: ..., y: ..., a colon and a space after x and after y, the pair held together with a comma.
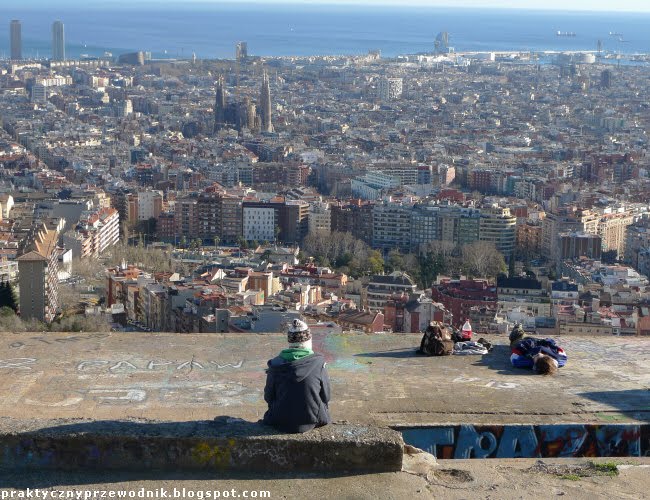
x: 396, y: 278
x: 375, y: 379
x: 518, y: 282
x: 40, y: 242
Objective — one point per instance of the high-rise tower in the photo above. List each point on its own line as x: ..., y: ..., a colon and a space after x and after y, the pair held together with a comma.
x: 606, y: 79
x: 16, y: 41
x: 241, y: 51
x: 220, y: 106
x: 251, y: 114
x: 58, y: 41
x: 441, y: 44
x: 265, y: 104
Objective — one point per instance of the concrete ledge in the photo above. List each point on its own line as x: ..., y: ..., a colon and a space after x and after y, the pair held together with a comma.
x: 227, y: 445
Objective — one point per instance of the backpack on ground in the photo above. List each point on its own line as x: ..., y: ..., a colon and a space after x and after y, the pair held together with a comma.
x: 436, y: 341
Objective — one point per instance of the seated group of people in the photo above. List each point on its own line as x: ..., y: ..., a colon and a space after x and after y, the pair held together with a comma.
x: 297, y: 387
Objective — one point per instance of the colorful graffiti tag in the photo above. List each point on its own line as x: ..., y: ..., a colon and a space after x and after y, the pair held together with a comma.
x: 531, y: 441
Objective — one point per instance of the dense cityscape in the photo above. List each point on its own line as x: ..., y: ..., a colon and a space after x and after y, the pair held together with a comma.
x: 360, y: 193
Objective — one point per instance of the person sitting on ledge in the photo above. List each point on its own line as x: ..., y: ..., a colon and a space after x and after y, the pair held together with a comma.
x: 542, y: 355
x: 297, y: 385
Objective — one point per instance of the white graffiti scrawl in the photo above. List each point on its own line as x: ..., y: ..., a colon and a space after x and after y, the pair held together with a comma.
x: 113, y: 366
x: 17, y: 363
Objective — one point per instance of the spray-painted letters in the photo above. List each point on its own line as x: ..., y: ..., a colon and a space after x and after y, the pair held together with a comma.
x: 530, y: 441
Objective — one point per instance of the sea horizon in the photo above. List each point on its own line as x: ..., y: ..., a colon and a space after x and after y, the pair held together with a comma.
x: 211, y: 31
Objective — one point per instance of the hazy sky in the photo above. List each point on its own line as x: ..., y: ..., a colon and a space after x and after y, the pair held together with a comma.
x: 585, y: 5
x: 607, y: 5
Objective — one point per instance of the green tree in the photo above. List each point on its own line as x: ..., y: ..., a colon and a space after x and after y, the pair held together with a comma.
x: 9, y: 321
x: 81, y: 323
x: 323, y: 261
x: 7, y: 296
x: 511, y: 267
x: 148, y: 226
x: 427, y: 271
x: 13, y: 300
x: 395, y: 261
x: 4, y: 296
x: 343, y: 261
x: 375, y: 263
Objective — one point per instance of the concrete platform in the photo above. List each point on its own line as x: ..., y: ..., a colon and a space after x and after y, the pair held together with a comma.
x: 376, y: 379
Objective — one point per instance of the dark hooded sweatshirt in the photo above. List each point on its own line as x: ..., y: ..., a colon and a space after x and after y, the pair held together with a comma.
x: 297, y: 393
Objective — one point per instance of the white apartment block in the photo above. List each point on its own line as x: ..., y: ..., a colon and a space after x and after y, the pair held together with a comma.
x: 390, y: 89
x: 258, y: 223
x: 144, y: 205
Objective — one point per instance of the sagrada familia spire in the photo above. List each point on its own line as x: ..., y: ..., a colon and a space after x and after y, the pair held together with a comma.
x: 265, y: 104
x: 220, y: 106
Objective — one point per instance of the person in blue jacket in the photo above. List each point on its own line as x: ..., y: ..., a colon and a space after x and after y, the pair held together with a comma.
x: 297, y: 385
x: 542, y: 355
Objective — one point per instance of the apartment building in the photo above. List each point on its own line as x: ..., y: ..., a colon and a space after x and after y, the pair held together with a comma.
x: 38, y: 265
x: 497, y: 226
x: 96, y: 231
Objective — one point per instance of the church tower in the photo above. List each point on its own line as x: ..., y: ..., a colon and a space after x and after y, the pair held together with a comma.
x: 265, y: 104
x: 220, y: 106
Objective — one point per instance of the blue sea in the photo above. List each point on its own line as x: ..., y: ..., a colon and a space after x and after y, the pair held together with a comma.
x: 211, y: 31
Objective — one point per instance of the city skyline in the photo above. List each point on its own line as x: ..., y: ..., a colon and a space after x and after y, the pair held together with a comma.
x: 308, y: 30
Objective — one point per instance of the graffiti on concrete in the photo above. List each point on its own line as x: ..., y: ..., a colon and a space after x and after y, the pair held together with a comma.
x: 33, y: 341
x: 531, y: 441
x: 494, y: 384
x: 214, y: 394
x: 123, y: 365
x: 16, y: 364
x: 165, y: 383
x: 213, y: 455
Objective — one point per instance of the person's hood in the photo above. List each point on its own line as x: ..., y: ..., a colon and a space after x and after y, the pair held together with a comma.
x: 300, y: 368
